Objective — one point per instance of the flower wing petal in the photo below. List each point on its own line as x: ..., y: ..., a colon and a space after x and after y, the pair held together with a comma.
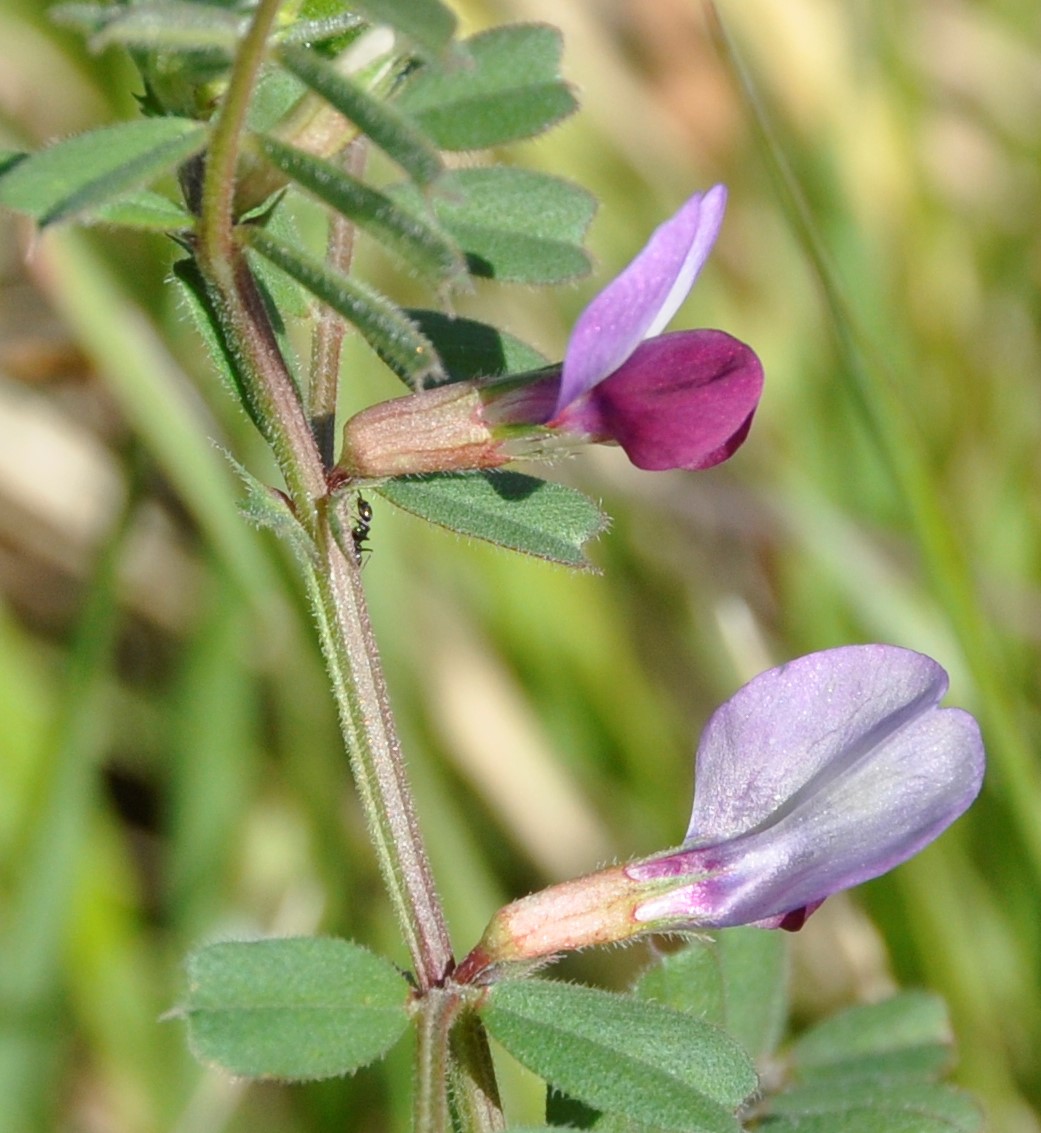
x: 641, y: 300
x: 683, y: 400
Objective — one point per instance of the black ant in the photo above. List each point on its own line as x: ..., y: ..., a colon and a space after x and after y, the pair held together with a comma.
x: 362, y: 527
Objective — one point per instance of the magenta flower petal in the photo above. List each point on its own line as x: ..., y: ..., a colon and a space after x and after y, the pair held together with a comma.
x: 683, y: 400
x: 814, y: 777
x: 641, y: 300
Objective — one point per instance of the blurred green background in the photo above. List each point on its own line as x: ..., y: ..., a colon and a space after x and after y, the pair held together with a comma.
x: 170, y: 770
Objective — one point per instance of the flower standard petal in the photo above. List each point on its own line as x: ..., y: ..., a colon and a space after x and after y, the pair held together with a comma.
x: 880, y: 813
x: 812, y: 716
x: 643, y: 298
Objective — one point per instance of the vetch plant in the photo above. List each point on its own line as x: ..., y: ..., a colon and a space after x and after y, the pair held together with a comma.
x: 814, y: 777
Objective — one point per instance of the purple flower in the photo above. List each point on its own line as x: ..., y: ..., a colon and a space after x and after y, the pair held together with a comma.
x: 682, y: 400
x: 814, y: 777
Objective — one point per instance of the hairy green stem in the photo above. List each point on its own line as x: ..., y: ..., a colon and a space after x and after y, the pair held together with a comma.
x: 371, y: 737
x: 327, y: 339
x: 435, y: 1018
x: 216, y: 237
x: 275, y: 395
x: 455, y: 1083
x: 340, y: 610
x: 339, y: 603
x: 235, y: 295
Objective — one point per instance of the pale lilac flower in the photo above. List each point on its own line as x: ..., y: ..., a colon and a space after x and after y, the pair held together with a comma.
x: 814, y: 777
x: 681, y: 400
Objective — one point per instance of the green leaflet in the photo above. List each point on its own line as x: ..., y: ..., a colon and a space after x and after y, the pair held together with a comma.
x: 336, y: 24
x: 204, y: 316
x: 301, y: 1008
x: 513, y: 224
x: 865, y: 1107
x: 278, y: 294
x: 90, y: 171
x: 880, y: 1120
x: 410, y: 237
x: 869, y: 1069
x: 383, y: 325
x: 168, y: 25
x: 737, y: 980
x: 265, y: 507
x: 273, y: 99
x: 146, y: 210
x: 177, y: 27
x: 510, y: 89
x: 469, y: 349
x: 622, y: 1054
x: 908, y: 1035
x: 382, y: 123
x: 872, y: 1069
x: 521, y: 513
x: 427, y: 23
